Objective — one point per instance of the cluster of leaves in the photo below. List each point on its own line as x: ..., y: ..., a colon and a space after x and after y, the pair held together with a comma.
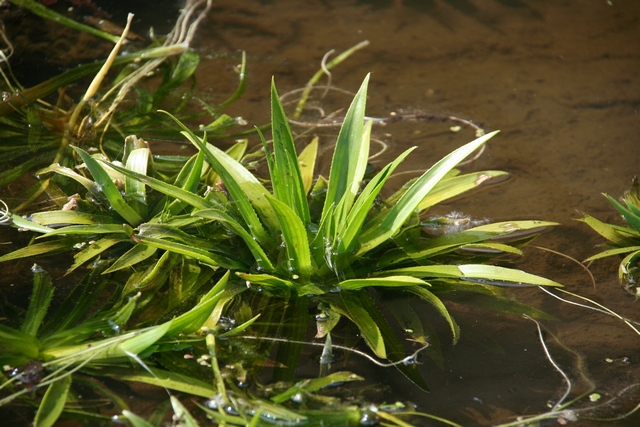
x: 35, y: 133
x: 326, y: 243
x: 624, y: 241
x: 171, y: 253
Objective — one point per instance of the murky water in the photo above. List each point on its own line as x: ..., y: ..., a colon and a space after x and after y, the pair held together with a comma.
x: 561, y: 80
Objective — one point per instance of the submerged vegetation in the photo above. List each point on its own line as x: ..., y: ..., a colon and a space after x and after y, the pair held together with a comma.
x: 202, y: 276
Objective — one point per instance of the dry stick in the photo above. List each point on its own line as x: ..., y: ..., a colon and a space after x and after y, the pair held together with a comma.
x: 177, y: 42
x: 91, y: 91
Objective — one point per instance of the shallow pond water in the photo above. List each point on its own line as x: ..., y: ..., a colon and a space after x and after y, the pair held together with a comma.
x: 561, y: 80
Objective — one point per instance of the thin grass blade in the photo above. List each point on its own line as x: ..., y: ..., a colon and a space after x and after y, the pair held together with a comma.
x: 182, y: 416
x: 133, y: 256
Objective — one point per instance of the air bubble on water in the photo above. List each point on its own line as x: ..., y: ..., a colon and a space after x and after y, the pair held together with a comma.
x: 215, y: 402
x: 369, y: 417
x: 298, y: 398
x: 231, y: 410
x: 115, y: 327
x: 36, y: 269
x: 117, y: 419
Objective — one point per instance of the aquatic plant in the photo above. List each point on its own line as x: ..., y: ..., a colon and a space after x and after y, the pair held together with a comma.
x: 333, y: 246
x: 625, y: 241
x: 186, y: 276
x: 36, y: 133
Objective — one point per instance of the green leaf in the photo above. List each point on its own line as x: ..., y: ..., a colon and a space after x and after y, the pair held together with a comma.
x: 242, y: 83
x: 354, y: 310
x: 44, y: 12
x: 142, y: 341
x: 284, y: 168
x: 452, y: 187
x: 47, y: 248
x: 21, y: 223
x: 245, y: 189
x: 193, y: 319
x: 387, y: 282
x: 632, y: 219
x: 17, y: 343
x: 391, y: 220
x: 168, y: 189
x: 201, y: 255
x: 92, y: 250
x: 347, y: 236
x: 612, y: 252
x: 349, y: 161
x: 315, y: 384
x: 267, y: 280
x: 619, y: 236
x: 53, y: 402
x: 628, y: 267
x: 166, y: 379
x: 258, y: 253
x: 479, y: 273
x: 39, y: 302
x: 491, y: 248
x: 133, y: 256
x: 109, y: 189
x: 181, y: 416
x: 70, y: 217
x: 294, y: 235
x: 83, y: 230
x: 135, y: 420
x: 70, y: 173
x: 135, y: 192
x: 307, y: 161
x: 432, y: 299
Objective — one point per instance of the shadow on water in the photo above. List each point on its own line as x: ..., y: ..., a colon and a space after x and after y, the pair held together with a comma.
x: 561, y: 80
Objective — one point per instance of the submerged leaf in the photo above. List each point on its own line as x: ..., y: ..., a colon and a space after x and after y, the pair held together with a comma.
x: 53, y: 402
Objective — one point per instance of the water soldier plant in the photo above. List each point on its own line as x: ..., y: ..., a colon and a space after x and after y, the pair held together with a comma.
x: 623, y: 240
x: 322, y: 246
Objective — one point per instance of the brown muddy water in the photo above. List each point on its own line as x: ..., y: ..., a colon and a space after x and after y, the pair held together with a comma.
x: 561, y: 80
